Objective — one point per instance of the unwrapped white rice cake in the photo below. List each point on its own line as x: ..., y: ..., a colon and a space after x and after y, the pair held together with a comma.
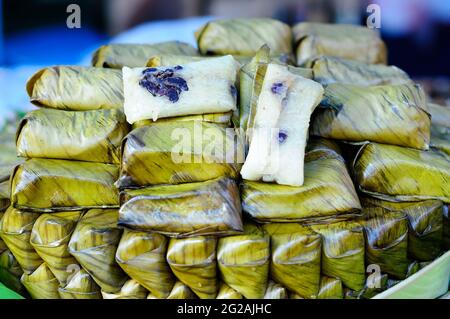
x: 206, y: 86
x: 279, y: 128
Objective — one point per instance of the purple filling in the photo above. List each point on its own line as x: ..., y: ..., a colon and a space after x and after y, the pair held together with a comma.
x: 277, y: 88
x: 282, y: 136
x: 164, y: 83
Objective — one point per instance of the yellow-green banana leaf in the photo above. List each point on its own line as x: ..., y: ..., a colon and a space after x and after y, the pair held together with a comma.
x: 275, y: 291
x: 184, y: 210
x: 131, y: 289
x: 92, y: 136
x: 80, y: 285
x: 226, y: 292
x: 330, y: 288
x: 76, y: 88
x: 389, y: 114
x: 223, y: 119
x: 11, y: 272
x: 181, y: 291
x: 48, y: 185
x: 41, y: 284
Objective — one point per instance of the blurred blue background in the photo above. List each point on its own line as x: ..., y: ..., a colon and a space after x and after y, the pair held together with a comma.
x: 34, y: 33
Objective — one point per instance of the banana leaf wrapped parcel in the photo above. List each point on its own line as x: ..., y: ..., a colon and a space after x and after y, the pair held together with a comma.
x: 440, y: 127
x: 193, y: 261
x: 245, y: 259
x: 329, y: 69
x: 346, y: 41
x: 142, y: 256
x: 15, y: 230
x: 76, y: 88
x: 389, y: 114
x: 330, y: 288
x: 73, y: 185
x: 244, y: 36
x: 446, y: 228
x: 184, y: 210
x: 327, y: 194
x: 50, y: 238
x: 386, y: 235
x: 179, y: 152
x: 118, y: 55
x: 94, y: 244
x: 223, y: 119
x: 80, y: 285
x: 181, y: 291
x: 11, y: 272
x: 41, y: 284
x: 131, y: 289
x: 92, y: 136
x: 295, y: 257
x: 425, y: 222
x: 206, y: 86
x: 343, y: 252
x: 275, y: 291
x: 402, y: 174
x: 226, y: 292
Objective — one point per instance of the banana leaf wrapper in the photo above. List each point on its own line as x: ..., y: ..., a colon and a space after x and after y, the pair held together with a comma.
x: 327, y: 194
x: 15, y: 230
x: 184, y: 210
x: 91, y: 136
x: 150, y: 154
x: 425, y: 223
x: 389, y: 114
x: 193, y: 261
x: 80, y: 286
x: 3, y: 246
x: 76, y: 88
x: 380, y: 171
x: 244, y: 259
x: 173, y: 59
x: 131, y: 289
x: 117, y: 56
x: 295, y: 258
x: 4, y: 195
x: 345, y: 41
x: 41, y: 284
x: 446, y: 229
x: 343, y: 252
x: 226, y: 292
x: 375, y: 285
x: 329, y: 69
x: 94, y: 243
x: 223, y: 119
x: 440, y: 115
x: 319, y: 147
x: 143, y: 257
x: 440, y: 127
x: 275, y: 291
x: 181, y: 291
x: 330, y: 288
x: 386, y: 240
x: 11, y: 272
x: 73, y: 185
x: 244, y: 36
x: 50, y: 238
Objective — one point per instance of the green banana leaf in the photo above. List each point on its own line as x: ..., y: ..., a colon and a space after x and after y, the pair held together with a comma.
x: 425, y: 222
x: 142, y: 256
x: 319, y: 147
x: 386, y: 235
x: 80, y: 285
x: 327, y: 194
x: 346, y: 41
x: 76, y: 88
x: 171, y: 153
x: 401, y: 174
x: 244, y: 261
x: 15, y: 230
x: 295, y: 258
x: 440, y: 128
x: 193, y: 261
x: 91, y: 136
x: 94, y: 243
x: 389, y: 114
x: 41, y: 284
x: 374, y: 285
x: 223, y: 119
x: 226, y: 292
x: 50, y: 238
x: 244, y: 36
x: 73, y: 185
x: 330, y: 288
x: 275, y: 291
x: 329, y: 69
x: 11, y: 272
x: 446, y: 229
x: 3, y: 246
x: 343, y: 252
x: 184, y: 210
x: 134, y: 55
x: 131, y: 289
x: 181, y: 291
x: 4, y: 195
